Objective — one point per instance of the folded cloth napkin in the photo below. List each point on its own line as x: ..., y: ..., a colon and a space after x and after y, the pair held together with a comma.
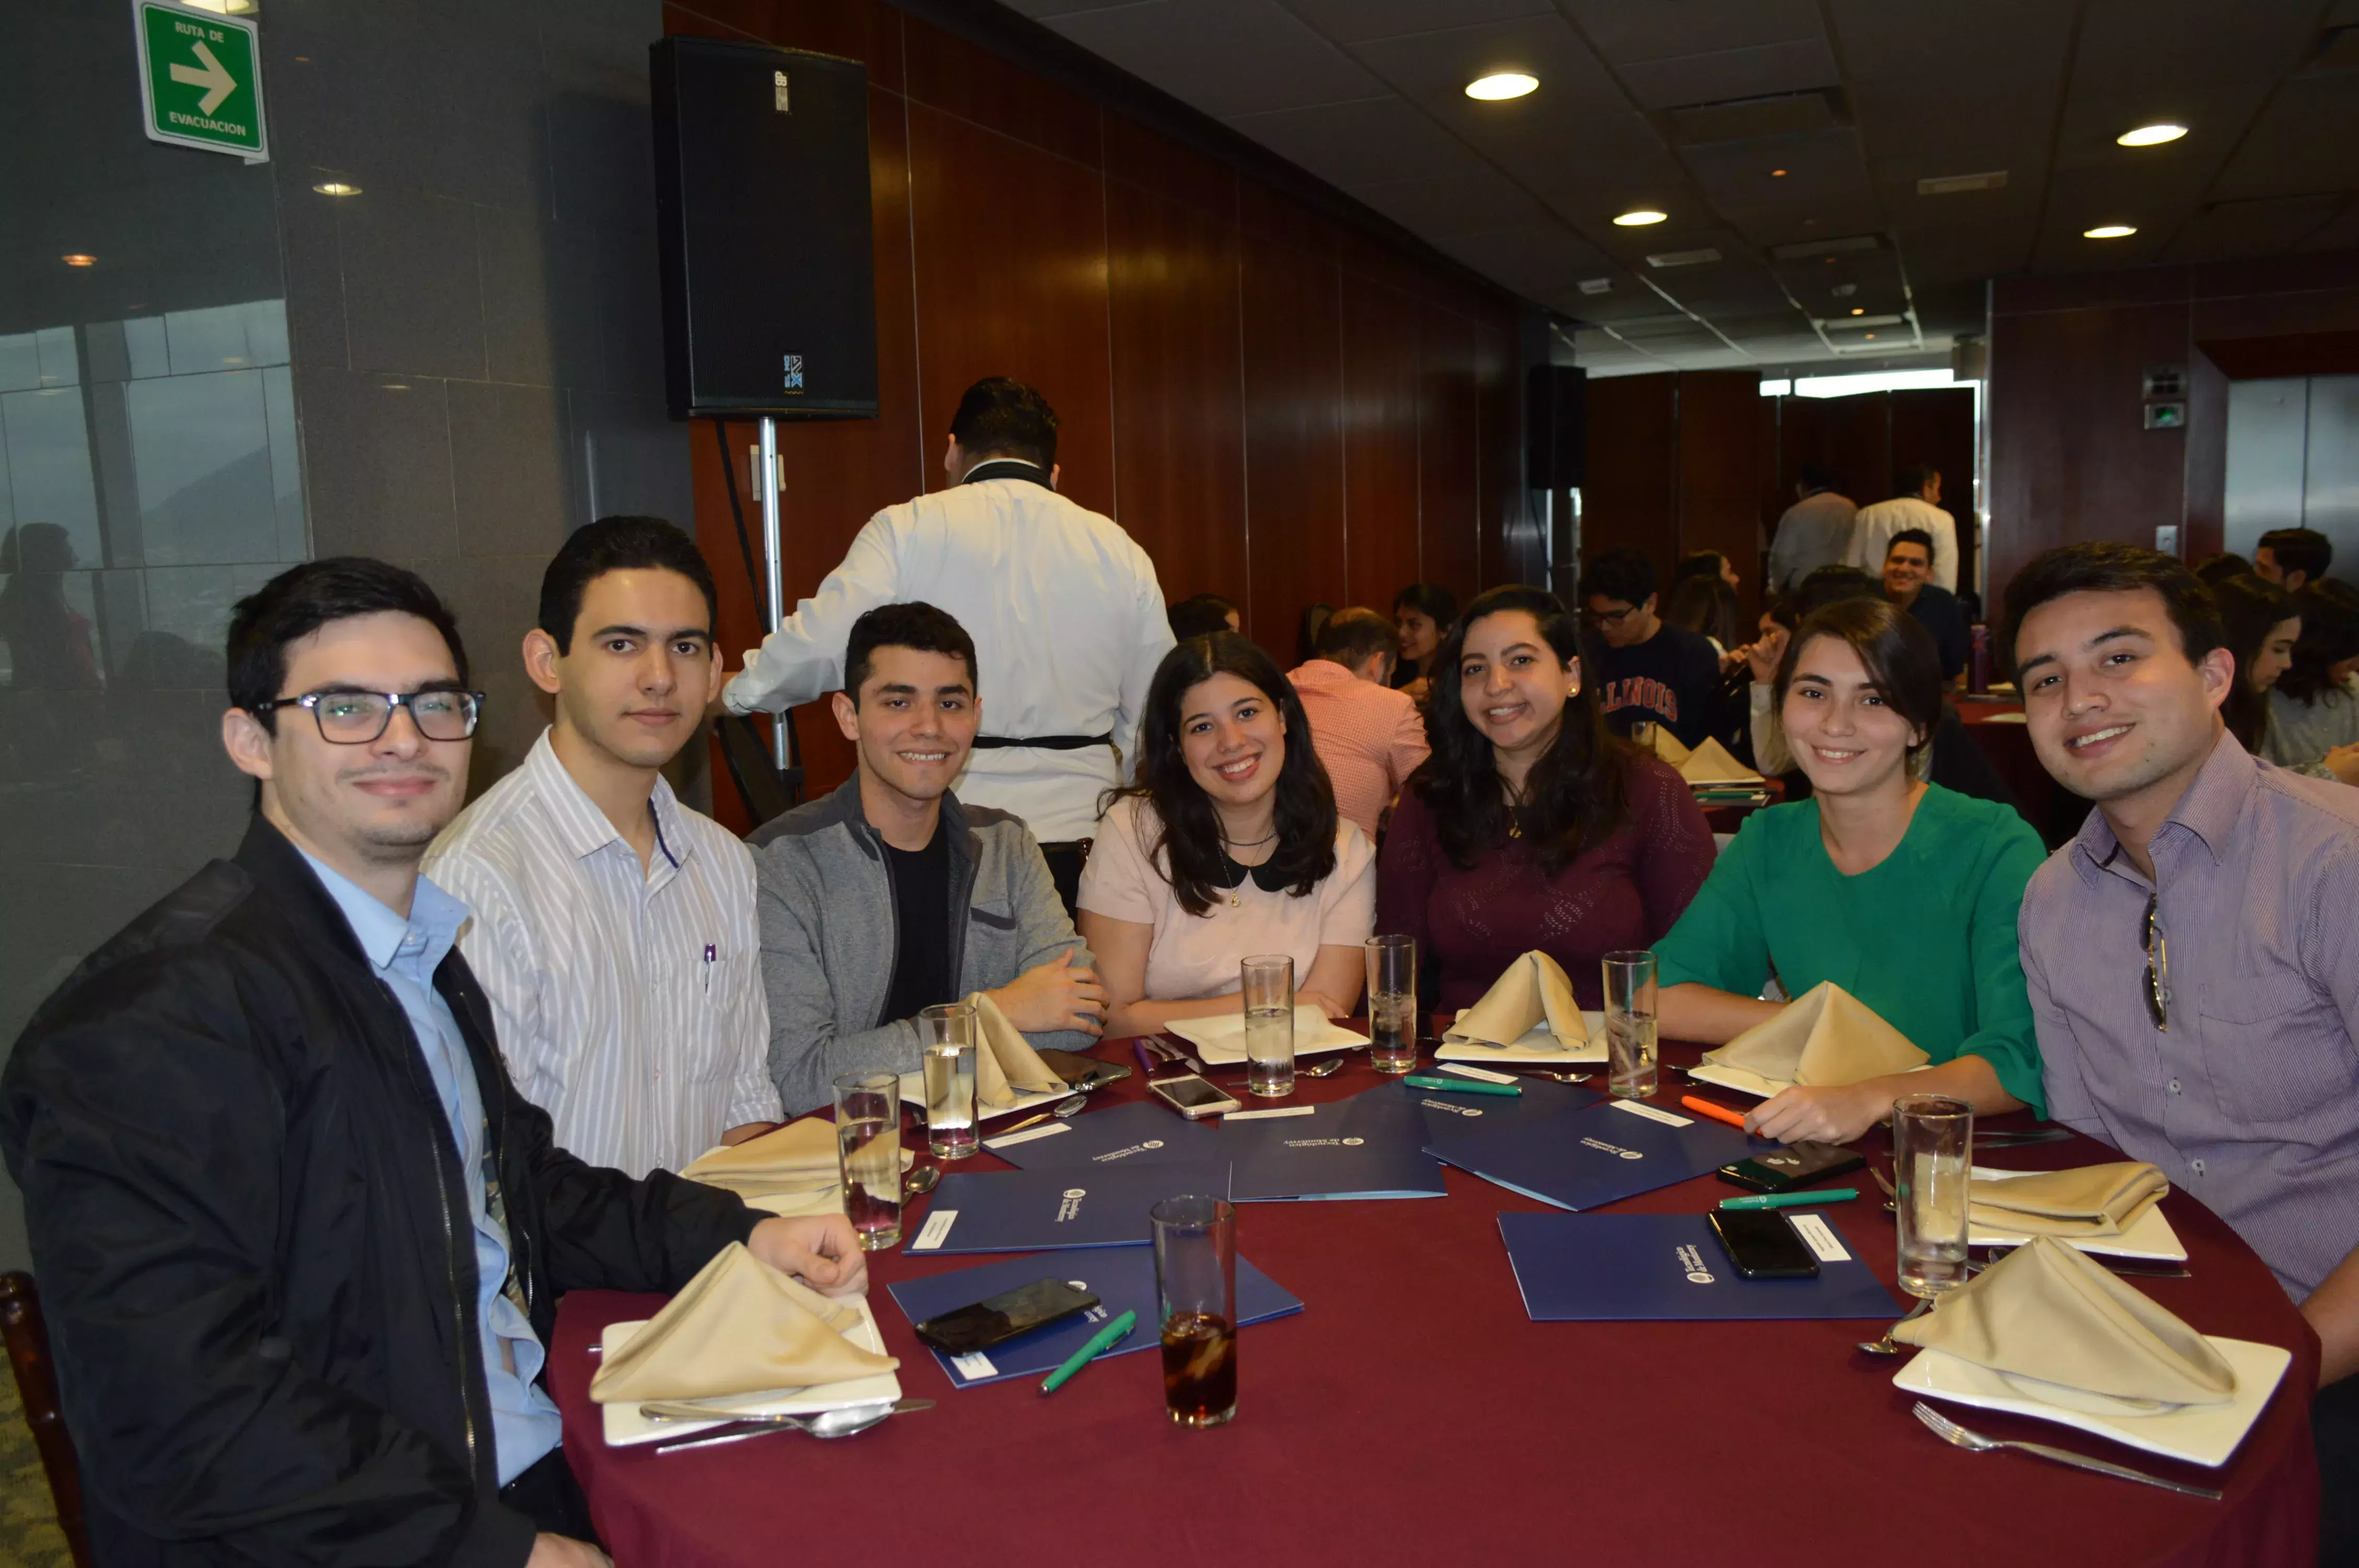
x: 2048, y: 1313
x: 2094, y: 1200
x: 1220, y: 1037
x: 1711, y: 763
x: 1826, y: 1037
x: 739, y: 1327
x: 1669, y: 746
x: 797, y: 1159
x: 1007, y: 1068
x: 1533, y: 991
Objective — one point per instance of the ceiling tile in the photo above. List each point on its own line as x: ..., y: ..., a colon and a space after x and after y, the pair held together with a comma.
x: 2129, y: 45
x: 1465, y: 201
x: 1724, y: 74
x: 1225, y: 57
x: 1433, y: 69
x: 1819, y: 167
x: 1968, y: 43
x: 2270, y: 226
x: 1537, y: 259
x: 2342, y: 232
x: 2306, y: 141
x: 1356, y: 21
x: 1360, y: 143
x: 1624, y: 31
x: 1945, y: 125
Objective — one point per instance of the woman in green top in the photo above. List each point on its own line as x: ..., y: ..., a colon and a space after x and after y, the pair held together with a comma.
x: 1903, y: 894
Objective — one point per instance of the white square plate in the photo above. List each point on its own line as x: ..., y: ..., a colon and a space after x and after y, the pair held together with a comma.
x: 625, y: 1425
x: 2149, y: 1235
x: 913, y: 1093
x: 1538, y: 1047
x: 1220, y: 1039
x: 2201, y: 1434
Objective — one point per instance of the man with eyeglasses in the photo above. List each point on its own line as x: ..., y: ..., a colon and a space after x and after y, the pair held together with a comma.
x: 299, y: 1240
x: 2193, y: 954
x: 1642, y: 670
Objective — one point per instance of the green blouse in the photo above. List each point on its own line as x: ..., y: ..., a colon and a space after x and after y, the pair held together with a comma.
x: 1927, y: 938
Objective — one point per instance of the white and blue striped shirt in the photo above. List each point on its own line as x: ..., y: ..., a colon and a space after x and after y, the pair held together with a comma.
x: 629, y: 999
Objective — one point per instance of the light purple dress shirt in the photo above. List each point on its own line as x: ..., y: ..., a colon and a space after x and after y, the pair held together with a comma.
x: 2250, y: 1099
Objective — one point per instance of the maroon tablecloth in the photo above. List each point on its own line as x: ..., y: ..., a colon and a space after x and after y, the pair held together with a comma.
x: 1413, y: 1413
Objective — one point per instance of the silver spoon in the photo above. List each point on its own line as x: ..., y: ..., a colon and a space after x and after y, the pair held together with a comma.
x: 1888, y: 1346
x: 1327, y: 1068
x: 921, y: 1180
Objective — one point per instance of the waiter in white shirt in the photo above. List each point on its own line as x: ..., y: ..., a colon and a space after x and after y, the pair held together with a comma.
x: 1067, y: 618
x: 1915, y: 503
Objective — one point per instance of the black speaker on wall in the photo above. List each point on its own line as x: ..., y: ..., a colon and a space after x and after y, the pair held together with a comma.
x: 763, y: 218
x: 1556, y: 426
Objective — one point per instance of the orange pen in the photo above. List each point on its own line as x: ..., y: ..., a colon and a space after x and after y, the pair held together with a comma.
x: 1717, y: 1112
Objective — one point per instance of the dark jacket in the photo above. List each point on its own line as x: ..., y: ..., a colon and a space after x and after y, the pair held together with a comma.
x: 252, y: 1238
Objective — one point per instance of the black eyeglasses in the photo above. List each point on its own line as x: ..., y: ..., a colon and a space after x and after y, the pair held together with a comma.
x: 2158, y: 968
x: 357, y: 717
x: 1609, y: 617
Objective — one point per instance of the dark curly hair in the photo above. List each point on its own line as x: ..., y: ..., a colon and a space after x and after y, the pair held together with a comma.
x: 1188, y: 834
x: 1576, y: 795
x: 2330, y: 634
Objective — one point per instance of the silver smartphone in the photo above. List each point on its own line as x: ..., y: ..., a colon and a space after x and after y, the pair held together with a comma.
x: 1192, y: 1097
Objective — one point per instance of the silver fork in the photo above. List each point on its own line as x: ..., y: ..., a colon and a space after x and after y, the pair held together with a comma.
x: 1950, y: 1432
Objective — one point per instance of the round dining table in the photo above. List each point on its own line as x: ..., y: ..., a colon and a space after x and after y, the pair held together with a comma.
x: 1413, y: 1412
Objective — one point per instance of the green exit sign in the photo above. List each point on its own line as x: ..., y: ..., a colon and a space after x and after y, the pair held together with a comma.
x: 200, y: 79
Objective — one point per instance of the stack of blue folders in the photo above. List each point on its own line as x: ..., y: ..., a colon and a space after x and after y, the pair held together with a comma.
x: 1024, y: 1211
x: 1605, y: 1268
x: 1597, y: 1154
x: 1122, y: 1278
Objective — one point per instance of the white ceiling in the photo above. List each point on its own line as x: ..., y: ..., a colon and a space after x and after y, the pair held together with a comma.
x: 1864, y: 98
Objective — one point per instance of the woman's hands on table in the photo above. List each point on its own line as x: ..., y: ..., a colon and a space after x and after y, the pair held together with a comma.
x: 564, y: 1551
x: 821, y: 1250
x: 1826, y: 1114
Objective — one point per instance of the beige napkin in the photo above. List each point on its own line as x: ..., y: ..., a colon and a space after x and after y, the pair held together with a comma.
x: 798, y: 1160
x: 2048, y: 1313
x: 1533, y: 991
x: 1828, y: 1037
x: 1669, y: 746
x: 739, y: 1327
x: 1711, y: 763
x: 2094, y: 1200
x: 1007, y: 1068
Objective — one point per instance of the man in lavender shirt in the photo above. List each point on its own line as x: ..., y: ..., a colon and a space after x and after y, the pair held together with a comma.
x: 2194, y: 953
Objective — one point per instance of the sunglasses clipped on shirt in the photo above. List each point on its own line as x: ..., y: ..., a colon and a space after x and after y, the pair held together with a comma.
x: 2157, y: 966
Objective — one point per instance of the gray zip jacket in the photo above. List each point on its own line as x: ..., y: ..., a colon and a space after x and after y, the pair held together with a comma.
x: 830, y: 935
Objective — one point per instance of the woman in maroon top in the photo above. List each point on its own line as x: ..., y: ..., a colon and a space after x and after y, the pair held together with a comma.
x: 1530, y: 826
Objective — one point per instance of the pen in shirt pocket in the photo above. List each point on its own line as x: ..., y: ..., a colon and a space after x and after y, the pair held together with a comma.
x: 712, y: 957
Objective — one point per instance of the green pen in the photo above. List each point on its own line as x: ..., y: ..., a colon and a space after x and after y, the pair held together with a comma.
x: 1104, y: 1340
x: 1791, y: 1200
x: 1457, y: 1085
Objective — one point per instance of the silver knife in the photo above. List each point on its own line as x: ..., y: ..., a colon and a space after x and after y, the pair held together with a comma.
x: 689, y: 1410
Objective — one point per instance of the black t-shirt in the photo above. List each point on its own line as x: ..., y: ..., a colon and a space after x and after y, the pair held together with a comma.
x: 1939, y: 612
x: 1672, y: 678
x: 921, y: 912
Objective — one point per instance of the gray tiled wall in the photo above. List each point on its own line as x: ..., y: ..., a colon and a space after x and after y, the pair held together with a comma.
x: 449, y: 369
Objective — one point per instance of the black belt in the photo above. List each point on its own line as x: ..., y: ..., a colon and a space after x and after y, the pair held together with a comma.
x: 1043, y: 742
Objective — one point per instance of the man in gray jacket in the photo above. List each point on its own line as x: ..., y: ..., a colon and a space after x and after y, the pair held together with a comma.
x: 889, y: 896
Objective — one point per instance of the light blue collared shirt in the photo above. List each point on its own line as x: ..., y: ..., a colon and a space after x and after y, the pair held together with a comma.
x: 406, y: 953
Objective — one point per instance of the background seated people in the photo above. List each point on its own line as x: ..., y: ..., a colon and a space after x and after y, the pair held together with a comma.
x: 1228, y: 845
x: 1369, y: 737
x: 1642, y: 669
x: 2314, y: 706
x: 1706, y: 563
x: 1907, y: 571
x: 1530, y: 826
x: 2262, y: 627
x: 1422, y: 612
x: 2293, y: 558
x: 1902, y: 893
x: 890, y: 895
x: 1953, y: 761
x: 1707, y: 606
x: 1201, y: 614
x: 2222, y: 565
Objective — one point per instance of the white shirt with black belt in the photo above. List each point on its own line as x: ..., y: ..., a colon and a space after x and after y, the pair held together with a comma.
x: 1068, y: 622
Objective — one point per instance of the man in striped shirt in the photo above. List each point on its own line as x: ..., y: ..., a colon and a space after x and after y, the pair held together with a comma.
x: 614, y: 927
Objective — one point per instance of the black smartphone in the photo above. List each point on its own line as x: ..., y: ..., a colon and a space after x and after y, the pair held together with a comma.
x: 1083, y: 1073
x: 1795, y: 1165
x: 1763, y: 1244
x: 981, y: 1325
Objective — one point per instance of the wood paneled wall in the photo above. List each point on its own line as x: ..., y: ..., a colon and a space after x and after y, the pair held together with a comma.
x: 2070, y: 457
x: 1278, y: 408
x: 1673, y: 467
x: 1866, y: 439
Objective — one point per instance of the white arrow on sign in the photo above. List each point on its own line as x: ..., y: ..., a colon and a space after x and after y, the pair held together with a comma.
x: 218, y: 83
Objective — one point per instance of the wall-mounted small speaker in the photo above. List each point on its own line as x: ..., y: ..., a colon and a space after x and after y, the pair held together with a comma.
x: 763, y: 217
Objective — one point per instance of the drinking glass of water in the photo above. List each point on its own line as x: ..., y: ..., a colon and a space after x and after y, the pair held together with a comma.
x: 1630, y: 1024
x: 1391, y: 1003
x: 946, y: 1036
x: 1267, y: 983
x: 868, y: 1154
x: 1932, y: 1155
x: 1196, y: 1290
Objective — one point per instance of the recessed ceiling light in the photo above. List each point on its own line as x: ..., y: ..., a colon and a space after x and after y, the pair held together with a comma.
x: 78, y: 259
x: 2151, y: 135
x: 1638, y: 218
x: 1501, y: 84
x: 1777, y: 174
x: 2110, y: 232
x: 1859, y: 309
x: 1871, y: 337
x: 336, y: 187
x: 396, y: 387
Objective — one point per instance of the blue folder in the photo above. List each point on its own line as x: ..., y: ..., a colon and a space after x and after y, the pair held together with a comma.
x: 1364, y: 1147
x: 1656, y: 1267
x: 1445, y: 1113
x: 1122, y: 1280
x: 1024, y: 1211
x: 1582, y: 1159
x: 1139, y: 1133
